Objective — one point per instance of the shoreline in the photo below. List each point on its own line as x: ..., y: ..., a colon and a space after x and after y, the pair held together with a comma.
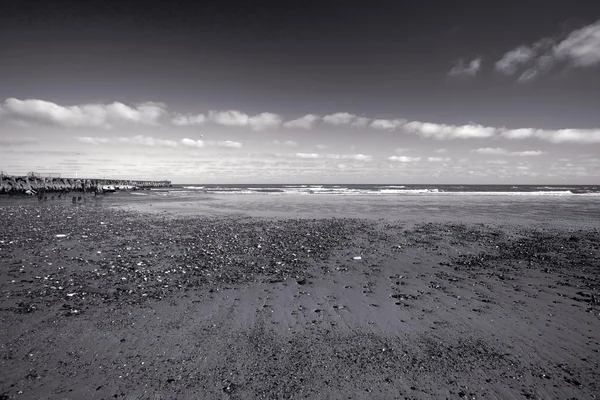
x: 239, y: 306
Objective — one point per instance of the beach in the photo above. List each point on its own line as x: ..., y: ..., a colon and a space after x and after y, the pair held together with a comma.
x: 140, y: 296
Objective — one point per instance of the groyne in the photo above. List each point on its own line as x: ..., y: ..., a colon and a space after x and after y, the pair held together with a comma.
x: 32, y: 183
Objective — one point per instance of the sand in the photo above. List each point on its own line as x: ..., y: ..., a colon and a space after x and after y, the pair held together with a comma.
x: 103, y: 302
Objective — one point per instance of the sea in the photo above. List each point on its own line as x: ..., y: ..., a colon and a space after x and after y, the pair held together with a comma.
x: 387, y: 190
x: 563, y: 205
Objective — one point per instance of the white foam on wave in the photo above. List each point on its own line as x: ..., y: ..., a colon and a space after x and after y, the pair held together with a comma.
x: 350, y: 191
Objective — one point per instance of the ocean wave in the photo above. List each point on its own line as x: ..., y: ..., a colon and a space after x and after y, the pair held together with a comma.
x: 385, y: 190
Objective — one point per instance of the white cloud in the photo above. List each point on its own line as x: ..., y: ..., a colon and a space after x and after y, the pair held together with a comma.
x: 360, y: 157
x: 490, y: 151
x: 497, y: 151
x: 570, y: 135
x: 141, y: 140
x: 438, y: 159
x: 441, y: 151
x: 340, y: 118
x: 582, y: 136
x: 580, y: 48
x: 229, y: 118
x: 229, y: 143
x: 135, y: 140
x: 387, y: 124
x: 287, y: 143
x: 527, y: 153
x: 185, y: 120
x: 521, y: 133
x: 465, y: 70
x: 86, y: 115
x: 512, y: 60
x: 147, y: 141
x: 305, y: 122
x: 355, y: 157
x: 404, y: 159
x: 322, y: 146
x: 264, y: 121
x: 443, y: 132
x: 307, y: 155
x: 93, y: 140
x: 257, y: 122
x: 192, y: 143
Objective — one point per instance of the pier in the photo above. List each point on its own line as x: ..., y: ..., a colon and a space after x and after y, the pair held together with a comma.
x: 33, y: 182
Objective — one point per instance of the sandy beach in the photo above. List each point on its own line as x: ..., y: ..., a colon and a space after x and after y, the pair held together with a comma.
x: 105, y: 299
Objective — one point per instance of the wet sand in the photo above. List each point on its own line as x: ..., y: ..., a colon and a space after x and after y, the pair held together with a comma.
x: 235, y: 304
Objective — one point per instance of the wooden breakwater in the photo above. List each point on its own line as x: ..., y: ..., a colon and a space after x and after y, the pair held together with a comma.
x: 33, y: 183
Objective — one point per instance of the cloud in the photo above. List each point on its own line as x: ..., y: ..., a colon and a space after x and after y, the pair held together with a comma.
x: 527, y: 153
x: 141, y: 140
x: 437, y: 159
x: 490, y: 151
x: 387, y: 124
x: 229, y: 118
x: 579, y: 49
x: 322, y: 146
x: 192, y: 143
x: 512, y: 60
x: 355, y: 157
x: 264, y: 121
x: 147, y: 141
x: 400, y: 150
x: 257, y: 122
x: 93, y: 140
x: 185, y: 120
x: 305, y: 122
x: 330, y: 156
x: 404, y: 159
x: 133, y: 140
x: 360, y: 157
x: 465, y: 70
x: 582, y: 47
x: 340, y: 118
x: 499, y: 152
x: 441, y: 151
x: 229, y: 144
x: 87, y: 115
x: 307, y: 155
x: 444, y: 132
x: 522, y: 133
x: 582, y: 136
x: 287, y: 143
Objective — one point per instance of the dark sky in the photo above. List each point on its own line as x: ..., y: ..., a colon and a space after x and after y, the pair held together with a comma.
x: 376, y: 59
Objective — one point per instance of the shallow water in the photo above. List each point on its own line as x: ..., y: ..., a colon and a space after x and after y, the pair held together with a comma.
x: 571, y: 211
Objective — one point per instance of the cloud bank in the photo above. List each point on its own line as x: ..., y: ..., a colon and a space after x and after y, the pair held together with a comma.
x: 148, y: 114
x: 93, y: 115
x: 140, y: 140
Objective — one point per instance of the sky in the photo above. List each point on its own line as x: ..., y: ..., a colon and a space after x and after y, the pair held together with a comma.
x: 302, y: 92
